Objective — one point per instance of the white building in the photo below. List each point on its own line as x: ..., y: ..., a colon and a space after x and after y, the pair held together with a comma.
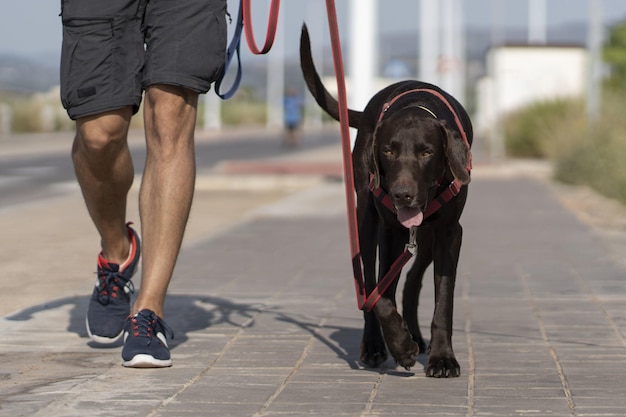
x: 520, y: 75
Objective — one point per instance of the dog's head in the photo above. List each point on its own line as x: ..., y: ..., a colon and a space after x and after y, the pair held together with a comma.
x: 411, y: 152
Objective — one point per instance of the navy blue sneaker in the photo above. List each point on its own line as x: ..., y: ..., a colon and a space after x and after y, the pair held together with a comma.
x: 110, y: 301
x: 145, y: 341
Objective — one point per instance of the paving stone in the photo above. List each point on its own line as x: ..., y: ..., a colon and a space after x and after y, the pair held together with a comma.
x: 266, y: 324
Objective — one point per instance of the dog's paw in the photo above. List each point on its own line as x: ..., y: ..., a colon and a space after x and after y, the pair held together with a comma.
x: 373, y: 359
x: 406, y: 355
x: 373, y: 348
x: 399, y: 340
x: 402, y: 347
x: 442, y: 367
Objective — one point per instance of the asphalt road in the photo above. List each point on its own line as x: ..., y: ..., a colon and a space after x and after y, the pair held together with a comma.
x: 34, y: 176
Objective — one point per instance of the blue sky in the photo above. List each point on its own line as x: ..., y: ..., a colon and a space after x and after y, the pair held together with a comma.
x: 30, y: 27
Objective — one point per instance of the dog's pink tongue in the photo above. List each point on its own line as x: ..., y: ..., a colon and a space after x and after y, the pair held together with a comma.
x: 410, y: 217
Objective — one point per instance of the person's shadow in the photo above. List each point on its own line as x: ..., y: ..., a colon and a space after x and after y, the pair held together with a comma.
x: 185, y: 313
x: 189, y: 313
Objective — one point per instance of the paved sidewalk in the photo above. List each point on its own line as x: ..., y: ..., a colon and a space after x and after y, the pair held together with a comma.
x: 266, y: 324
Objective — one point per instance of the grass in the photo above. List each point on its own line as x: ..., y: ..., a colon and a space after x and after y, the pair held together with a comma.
x: 36, y: 113
x: 44, y: 113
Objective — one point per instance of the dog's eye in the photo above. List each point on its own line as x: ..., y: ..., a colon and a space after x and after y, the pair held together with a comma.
x: 426, y: 154
x: 388, y: 152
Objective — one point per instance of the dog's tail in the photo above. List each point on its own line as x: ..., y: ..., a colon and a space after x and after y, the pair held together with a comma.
x: 313, y: 82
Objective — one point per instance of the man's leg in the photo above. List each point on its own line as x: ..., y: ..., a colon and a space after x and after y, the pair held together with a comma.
x: 104, y: 170
x: 167, y: 187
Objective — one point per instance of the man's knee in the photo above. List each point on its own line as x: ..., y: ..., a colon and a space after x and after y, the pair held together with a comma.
x: 165, y: 103
x: 103, y: 132
x: 170, y: 116
x: 172, y: 95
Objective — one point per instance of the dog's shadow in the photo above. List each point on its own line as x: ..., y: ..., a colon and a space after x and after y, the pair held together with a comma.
x: 345, y: 342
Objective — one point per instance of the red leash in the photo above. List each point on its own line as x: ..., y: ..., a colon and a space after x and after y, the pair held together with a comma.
x: 364, y: 301
x: 271, y: 27
x: 348, y: 173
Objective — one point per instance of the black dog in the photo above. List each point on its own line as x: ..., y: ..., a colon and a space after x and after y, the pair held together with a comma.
x: 413, y: 145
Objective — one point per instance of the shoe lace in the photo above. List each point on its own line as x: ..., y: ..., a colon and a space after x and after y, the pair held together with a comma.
x: 144, y: 324
x: 109, y: 283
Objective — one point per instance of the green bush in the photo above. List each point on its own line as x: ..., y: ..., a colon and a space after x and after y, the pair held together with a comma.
x: 242, y: 109
x: 27, y: 109
x: 28, y: 112
x: 596, y: 161
x: 533, y: 132
x: 241, y: 112
x: 582, y: 154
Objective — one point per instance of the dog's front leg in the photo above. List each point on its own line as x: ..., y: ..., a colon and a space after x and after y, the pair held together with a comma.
x: 413, y: 285
x: 373, y: 350
x: 395, y: 330
x: 396, y: 333
x: 441, y: 360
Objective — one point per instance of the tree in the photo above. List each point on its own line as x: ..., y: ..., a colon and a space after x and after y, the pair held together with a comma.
x: 614, y: 54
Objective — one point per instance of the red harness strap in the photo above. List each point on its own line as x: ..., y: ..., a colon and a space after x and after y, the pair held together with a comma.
x: 380, y: 195
x: 448, y: 194
x: 441, y: 98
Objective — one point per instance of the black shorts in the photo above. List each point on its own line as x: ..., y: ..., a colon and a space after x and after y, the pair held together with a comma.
x: 114, y: 49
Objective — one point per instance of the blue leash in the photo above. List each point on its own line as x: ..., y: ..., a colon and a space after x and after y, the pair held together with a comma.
x: 233, y: 48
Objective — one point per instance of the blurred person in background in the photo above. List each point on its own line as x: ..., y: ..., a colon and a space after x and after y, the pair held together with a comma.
x: 293, y: 109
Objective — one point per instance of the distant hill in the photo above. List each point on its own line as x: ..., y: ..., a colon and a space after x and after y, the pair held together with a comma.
x: 27, y: 75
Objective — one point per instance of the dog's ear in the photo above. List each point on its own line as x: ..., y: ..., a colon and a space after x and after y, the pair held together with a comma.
x: 372, y: 159
x: 457, y: 153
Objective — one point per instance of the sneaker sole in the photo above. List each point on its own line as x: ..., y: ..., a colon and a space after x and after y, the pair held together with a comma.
x: 103, y: 340
x: 147, y: 361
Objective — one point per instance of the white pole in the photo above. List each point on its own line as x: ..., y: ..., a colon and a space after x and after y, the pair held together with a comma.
x: 363, y: 47
x: 458, y: 36
x: 315, y: 23
x: 498, y: 36
x: 362, y: 59
x: 449, y: 61
x: 6, y: 119
x: 595, y: 61
x: 429, y: 41
x: 212, y: 111
x: 276, y: 76
x: 537, y: 32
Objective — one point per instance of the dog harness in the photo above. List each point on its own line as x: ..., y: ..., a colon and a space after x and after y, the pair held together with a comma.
x: 448, y: 194
x: 410, y: 249
x: 453, y: 188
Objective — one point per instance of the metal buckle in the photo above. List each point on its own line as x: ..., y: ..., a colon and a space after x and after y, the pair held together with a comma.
x: 411, y: 247
x: 454, y: 189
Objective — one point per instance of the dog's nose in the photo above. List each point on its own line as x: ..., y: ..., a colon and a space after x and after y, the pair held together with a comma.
x: 403, y: 194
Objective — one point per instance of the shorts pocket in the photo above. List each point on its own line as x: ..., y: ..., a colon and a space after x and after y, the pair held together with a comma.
x: 221, y: 43
x: 86, y: 58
